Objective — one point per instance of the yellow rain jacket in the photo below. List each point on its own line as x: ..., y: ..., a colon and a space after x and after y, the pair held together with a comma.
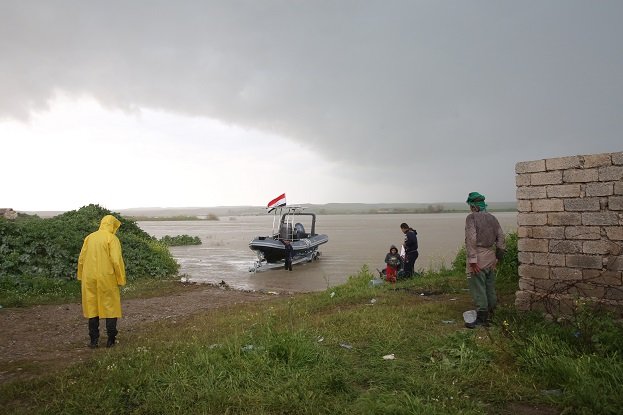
x: 101, y: 271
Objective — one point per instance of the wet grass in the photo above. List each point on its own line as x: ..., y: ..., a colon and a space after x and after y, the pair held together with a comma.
x: 323, y: 353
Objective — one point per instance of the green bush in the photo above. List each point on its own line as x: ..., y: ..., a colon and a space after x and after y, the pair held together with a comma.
x: 180, y: 240
x: 50, y: 248
x: 507, y: 268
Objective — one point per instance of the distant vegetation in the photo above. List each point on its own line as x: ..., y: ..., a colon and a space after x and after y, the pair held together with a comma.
x: 180, y: 240
x: 209, y: 216
x: 40, y: 256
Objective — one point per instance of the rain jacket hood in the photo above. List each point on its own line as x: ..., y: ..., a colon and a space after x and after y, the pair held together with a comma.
x: 101, y: 271
x: 110, y: 224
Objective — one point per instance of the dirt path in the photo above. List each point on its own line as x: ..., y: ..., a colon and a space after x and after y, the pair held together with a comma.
x: 42, y: 338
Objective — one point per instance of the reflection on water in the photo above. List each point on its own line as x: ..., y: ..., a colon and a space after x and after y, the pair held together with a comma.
x: 354, y: 240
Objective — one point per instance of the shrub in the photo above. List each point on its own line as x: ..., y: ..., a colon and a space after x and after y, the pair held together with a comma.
x: 180, y: 240
x: 50, y: 248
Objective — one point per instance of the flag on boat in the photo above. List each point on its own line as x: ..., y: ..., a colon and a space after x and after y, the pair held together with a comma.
x: 276, y: 202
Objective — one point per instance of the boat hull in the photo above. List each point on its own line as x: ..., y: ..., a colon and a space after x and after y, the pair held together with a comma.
x: 273, y: 250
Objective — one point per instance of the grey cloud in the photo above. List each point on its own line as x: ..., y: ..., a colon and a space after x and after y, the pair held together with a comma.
x: 448, y: 85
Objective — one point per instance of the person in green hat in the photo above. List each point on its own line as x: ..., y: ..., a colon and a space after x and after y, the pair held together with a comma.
x: 484, y: 243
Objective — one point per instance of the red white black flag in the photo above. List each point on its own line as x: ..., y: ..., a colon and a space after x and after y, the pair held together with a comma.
x: 276, y: 202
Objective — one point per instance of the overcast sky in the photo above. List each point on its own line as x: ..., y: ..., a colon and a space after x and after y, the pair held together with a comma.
x: 209, y: 103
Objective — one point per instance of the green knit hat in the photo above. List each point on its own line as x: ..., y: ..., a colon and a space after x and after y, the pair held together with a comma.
x: 478, y: 200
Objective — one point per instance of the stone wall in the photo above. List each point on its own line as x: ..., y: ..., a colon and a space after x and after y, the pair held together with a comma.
x: 570, y: 230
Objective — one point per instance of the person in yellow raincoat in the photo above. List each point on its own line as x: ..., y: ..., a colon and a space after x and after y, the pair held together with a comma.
x: 101, y: 271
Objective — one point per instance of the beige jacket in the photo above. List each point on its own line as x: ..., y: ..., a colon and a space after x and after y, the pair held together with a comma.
x: 483, y: 234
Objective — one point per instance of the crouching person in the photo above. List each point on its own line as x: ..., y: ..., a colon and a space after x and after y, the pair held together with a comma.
x: 101, y: 271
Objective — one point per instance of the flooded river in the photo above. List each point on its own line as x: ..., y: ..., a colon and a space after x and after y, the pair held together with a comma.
x: 354, y: 240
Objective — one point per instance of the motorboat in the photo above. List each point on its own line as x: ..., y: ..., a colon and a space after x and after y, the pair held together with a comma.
x: 288, y: 225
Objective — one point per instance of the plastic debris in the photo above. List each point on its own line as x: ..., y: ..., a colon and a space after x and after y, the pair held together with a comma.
x: 453, y: 299
x: 447, y: 321
x: 247, y: 348
x: 332, y: 294
x: 320, y: 339
x: 273, y: 293
x: 346, y: 346
x: 470, y: 316
x: 376, y: 281
x: 389, y: 357
x: 372, y: 301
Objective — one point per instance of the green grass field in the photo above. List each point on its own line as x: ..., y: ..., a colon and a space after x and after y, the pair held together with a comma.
x: 323, y: 353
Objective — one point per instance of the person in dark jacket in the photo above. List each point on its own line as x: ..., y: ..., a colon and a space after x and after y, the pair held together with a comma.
x: 289, y: 254
x: 411, y: 249
x: 393, y: 261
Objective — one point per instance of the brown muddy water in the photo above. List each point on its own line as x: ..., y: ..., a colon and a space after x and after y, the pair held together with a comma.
x: 354, y: 240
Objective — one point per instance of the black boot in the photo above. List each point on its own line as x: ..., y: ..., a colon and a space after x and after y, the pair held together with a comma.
x: 490, y: 315
x: 111, y: 330
x: 94, y: 331
x: 481, y: 320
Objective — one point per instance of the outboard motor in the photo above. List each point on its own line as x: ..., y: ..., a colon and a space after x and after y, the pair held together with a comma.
x: 299, y: 231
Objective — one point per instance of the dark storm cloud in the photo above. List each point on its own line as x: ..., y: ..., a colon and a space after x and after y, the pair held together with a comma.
x: 455, y: 92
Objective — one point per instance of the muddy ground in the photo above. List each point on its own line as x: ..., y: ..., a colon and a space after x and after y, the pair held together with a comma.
x: 38, y: 339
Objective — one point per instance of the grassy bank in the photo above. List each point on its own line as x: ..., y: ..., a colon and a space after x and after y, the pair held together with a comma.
x: 323, y: 353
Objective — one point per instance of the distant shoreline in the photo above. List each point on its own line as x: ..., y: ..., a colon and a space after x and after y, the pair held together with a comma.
x: 213, y: 213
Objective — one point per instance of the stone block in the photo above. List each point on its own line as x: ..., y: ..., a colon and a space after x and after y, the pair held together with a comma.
x: 531, y: 192
x: 564, y: 190
x: 522, y: 180
x: 547, y: 205
x: 615, y: 202
x: 551, y: 177
x: 531, y: 219
x: 532, y: 245
x: 564, y: 218
x: 618, y: 188
x: 614, y: 233
x: 583, y: 232
x: 534, y: 271
x: 582, y: 204
x: 548, y: 232
x: 614, y: 263
x: 526, y: 284
x: 601, y: 247
x: 524, y: 206
x: 563, y: 273
x: 600, y: 218
x: 565, y: 246
x: 584, y: 261
x: 530, y: 166
x: 610, y: 174
x: 549, y: 285
x: 525, y: 258
x: 602, y: 277
x: 614, y: 294
x: 563, y: 163
x: 588, y: 290
x: 599, y: 189
x: 580, y: 175
x: 524, y: 232
x: 597, y: 160
x: 554, y: 260
x: 523, y: 300
x: 617, y: 158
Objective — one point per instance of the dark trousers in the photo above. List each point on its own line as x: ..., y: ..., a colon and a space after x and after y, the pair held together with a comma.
x: 94, y: 328
x: 288, y: 265
x: 409, y: 263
